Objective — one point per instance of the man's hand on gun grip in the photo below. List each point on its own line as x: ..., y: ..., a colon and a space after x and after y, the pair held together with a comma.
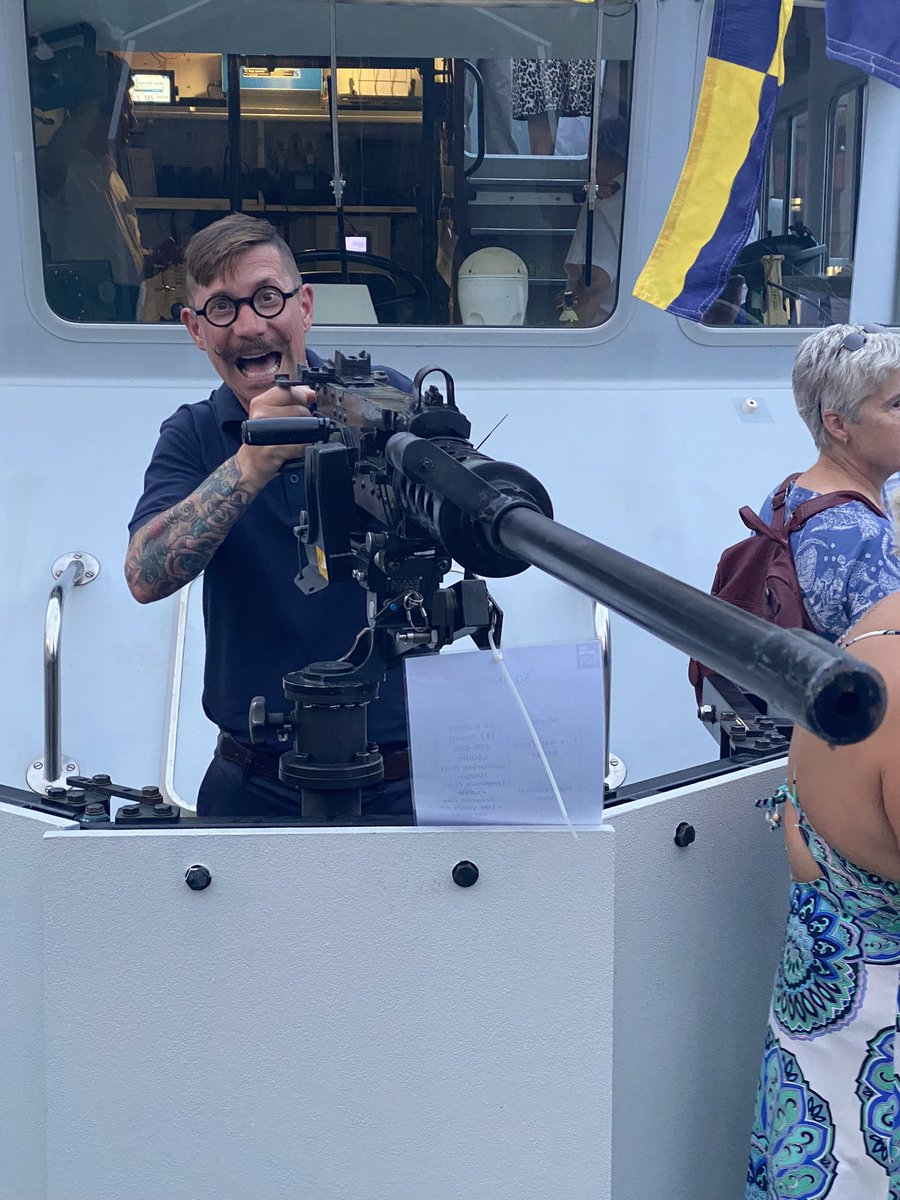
x: 264, y: 462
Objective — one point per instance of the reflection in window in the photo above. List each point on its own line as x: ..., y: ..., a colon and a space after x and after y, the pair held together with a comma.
x: 775, y: 214
x: 799, y: 163
x: 843, y: 178
x: 94, y: 255
x: 797, y: 266
x: 464, y: 178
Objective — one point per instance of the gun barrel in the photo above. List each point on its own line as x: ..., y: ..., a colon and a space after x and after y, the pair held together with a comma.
x: 836, y: 696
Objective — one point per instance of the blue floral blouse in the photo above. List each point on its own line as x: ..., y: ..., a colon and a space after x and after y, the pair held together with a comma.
x: 845, y: 561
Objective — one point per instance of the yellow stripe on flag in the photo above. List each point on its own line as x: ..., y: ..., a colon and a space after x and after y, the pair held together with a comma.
x: 776, y: 67
x: 727, y: 116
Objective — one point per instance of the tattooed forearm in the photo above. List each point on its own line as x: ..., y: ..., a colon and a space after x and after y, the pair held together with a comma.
x: 174, y: 547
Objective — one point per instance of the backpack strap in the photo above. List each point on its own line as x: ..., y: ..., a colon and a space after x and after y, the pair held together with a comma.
x: 818, y: 504
x: 779, y: 497
x: 779, y: 531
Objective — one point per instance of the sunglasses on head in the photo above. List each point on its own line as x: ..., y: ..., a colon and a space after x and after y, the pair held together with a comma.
x: 857, y: 338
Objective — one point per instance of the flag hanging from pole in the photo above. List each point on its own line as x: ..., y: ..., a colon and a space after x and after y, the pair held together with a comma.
x: 866, y: 34
x: 712, y: 211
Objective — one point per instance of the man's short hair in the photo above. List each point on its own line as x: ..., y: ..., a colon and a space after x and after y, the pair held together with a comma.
x: 829, y: 377
x: 215, y: 250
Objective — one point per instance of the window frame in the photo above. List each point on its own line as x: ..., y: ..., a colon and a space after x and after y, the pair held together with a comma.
x: 862, y: 91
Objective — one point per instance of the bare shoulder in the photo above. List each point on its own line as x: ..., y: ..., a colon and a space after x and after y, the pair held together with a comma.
x: 885, y: 615
x: 868, y: 641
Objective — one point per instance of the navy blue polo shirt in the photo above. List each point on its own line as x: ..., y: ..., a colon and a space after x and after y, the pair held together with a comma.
x: 259, y: 625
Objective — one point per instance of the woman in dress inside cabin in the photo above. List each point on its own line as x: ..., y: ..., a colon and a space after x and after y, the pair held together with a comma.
x: 827, y: 1121
x: 845, y: 387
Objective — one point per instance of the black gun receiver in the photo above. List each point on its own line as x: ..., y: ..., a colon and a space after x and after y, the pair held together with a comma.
x: 368, y: 521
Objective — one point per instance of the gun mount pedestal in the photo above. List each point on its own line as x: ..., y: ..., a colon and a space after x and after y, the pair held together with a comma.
x: 332, y: 759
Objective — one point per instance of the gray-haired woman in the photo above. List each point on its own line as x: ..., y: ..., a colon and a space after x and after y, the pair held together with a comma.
x: 846, y: 381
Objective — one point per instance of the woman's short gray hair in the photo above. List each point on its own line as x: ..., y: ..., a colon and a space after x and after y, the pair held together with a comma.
x: 829, y: 376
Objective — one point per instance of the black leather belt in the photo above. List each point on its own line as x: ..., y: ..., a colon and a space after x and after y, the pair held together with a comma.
x: 265, y: 762
x: 257, y: 762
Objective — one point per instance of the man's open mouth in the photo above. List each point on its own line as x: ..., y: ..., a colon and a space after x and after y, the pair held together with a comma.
x: 261, y: 364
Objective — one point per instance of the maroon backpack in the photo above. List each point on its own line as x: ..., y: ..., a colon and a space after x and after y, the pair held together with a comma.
x: 758, y: 573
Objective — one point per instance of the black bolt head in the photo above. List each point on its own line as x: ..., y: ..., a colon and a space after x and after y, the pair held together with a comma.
x: 465, y: 873
x: 685, y: 833
x: 197, y: 877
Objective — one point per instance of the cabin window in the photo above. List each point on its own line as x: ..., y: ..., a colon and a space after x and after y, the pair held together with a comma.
x: 452, y: 194
x: 797, y: 267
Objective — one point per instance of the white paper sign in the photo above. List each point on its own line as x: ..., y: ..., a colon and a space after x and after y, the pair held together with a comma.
x: 473, y: 758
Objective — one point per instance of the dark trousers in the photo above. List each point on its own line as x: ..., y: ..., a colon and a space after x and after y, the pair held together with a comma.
x: 231, y: 793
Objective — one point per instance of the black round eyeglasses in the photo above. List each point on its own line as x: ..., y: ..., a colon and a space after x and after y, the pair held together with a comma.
x: 267, y: 301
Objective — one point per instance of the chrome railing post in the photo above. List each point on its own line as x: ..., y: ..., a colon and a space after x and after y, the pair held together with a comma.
x: 51, y: 768
x: 615, y: 768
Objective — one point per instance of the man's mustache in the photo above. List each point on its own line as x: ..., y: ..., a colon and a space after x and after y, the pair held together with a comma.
x: 252, y: 348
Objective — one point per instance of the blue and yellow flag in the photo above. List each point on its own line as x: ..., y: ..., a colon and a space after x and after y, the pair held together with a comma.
x: 866, y: 34
x: 712, y: 212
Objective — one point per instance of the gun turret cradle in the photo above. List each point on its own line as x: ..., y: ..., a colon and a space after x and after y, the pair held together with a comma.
x: 414, y: 492
x: 395, y: 493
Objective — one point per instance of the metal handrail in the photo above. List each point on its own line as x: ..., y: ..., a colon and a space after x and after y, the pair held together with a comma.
x: 52, y: 682
x: 71, y: 570
x: 615, y: 767
x: 173, y: 700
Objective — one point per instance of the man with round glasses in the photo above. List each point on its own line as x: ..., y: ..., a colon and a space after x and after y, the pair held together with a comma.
x: 213, y: 505
x: 267, y: 301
